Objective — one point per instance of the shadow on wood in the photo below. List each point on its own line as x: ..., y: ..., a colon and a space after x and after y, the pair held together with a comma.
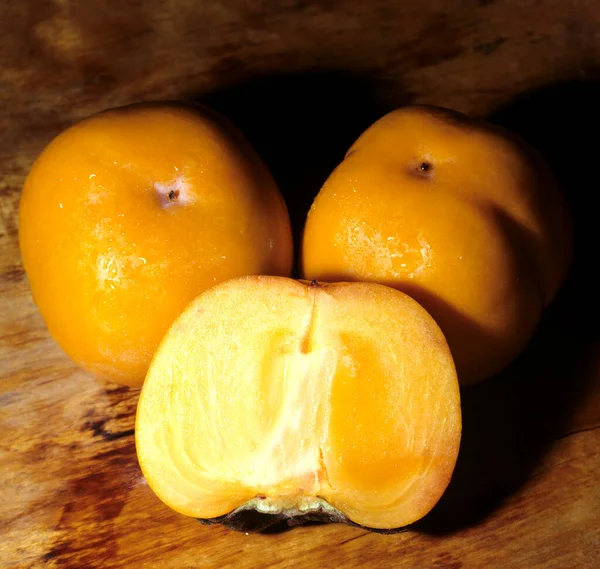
x: 510, y: 421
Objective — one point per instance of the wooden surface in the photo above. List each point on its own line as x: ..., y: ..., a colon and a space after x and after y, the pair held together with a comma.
x: 303, y: 79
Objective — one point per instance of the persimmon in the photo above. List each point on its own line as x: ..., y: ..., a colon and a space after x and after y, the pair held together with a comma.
x: 128, y: 215
x: 463, y: 216
x: 301, y: 399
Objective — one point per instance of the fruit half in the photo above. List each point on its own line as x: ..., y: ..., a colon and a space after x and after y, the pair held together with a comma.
x: 293, y: 399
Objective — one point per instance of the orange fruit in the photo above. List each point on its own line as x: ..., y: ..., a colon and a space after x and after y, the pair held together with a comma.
x: 463, y: 216
x: 337, y: 401
x: 128, y: 215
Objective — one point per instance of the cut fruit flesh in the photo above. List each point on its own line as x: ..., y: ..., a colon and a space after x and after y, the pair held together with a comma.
x: 301, y: 395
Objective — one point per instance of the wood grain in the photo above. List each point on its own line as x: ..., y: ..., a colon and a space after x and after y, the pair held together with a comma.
x: 303, y: 79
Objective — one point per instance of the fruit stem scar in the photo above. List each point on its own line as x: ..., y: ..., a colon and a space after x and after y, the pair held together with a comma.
x: 314, y: 283
x: 425, y: 167
x: 177, y: 191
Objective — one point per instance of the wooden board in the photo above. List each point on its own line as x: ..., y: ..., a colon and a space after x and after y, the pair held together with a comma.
x: 303, y: 79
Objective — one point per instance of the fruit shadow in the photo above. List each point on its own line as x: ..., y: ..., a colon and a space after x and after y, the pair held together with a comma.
x: 511, y: 421
x: 302, y: 124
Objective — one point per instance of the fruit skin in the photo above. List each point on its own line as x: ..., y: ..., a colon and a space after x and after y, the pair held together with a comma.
x: 249, y: 518
x: 259, y: 407
x: 461, y: 215
x: 128, y: 215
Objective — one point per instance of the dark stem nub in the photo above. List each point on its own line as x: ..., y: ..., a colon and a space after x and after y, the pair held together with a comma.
x: 425, y: 167
x: 314, y: 283
x: 173, y: 194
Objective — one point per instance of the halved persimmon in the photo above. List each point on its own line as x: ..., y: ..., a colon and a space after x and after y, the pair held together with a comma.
x: 296, y: 399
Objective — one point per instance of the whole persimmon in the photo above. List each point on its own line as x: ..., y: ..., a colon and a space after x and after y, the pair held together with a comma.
x: 335, y: 401
x: 128, y: 215
x: 463, y: 216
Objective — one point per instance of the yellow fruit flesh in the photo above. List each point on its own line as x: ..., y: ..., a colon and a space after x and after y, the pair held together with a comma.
x: 269, y: 387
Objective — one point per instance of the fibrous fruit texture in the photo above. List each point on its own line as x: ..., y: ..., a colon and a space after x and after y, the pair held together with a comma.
x: 296, y: 398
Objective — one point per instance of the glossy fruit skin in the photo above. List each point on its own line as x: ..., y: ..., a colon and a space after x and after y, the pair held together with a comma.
x: 463, y: 216
x: 128, y: 215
